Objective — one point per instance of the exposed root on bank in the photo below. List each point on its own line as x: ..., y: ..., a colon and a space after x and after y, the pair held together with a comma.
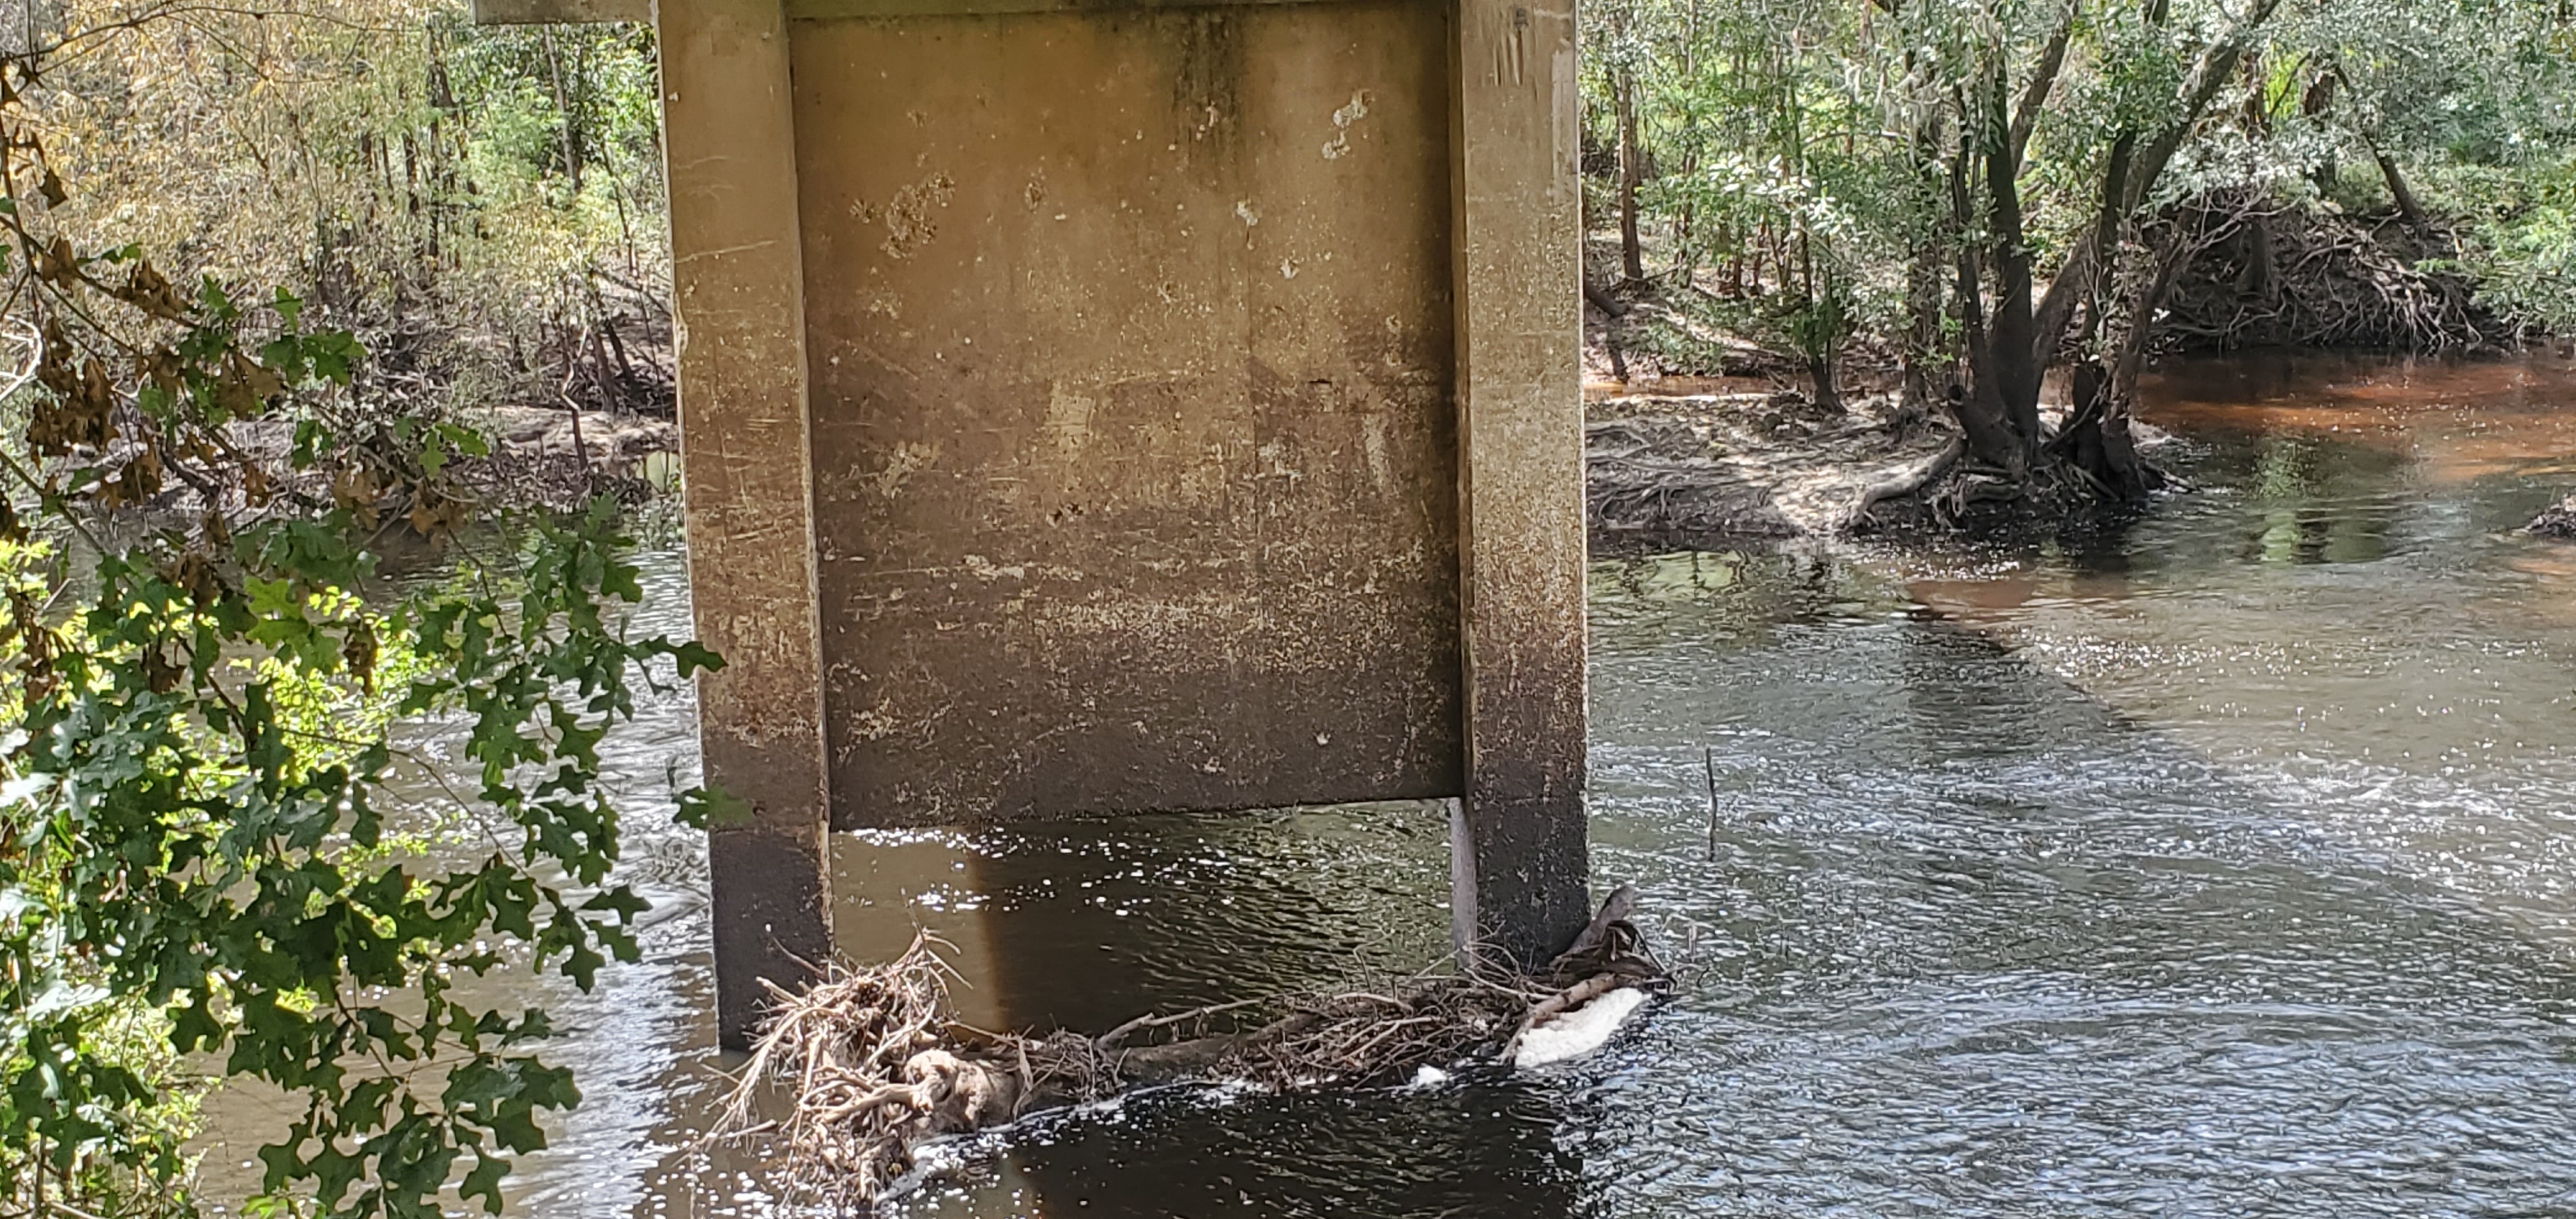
x: 1907, y: 482
x: 2280, y: 276
x: 872, y: 1066
x: 1960, y: 495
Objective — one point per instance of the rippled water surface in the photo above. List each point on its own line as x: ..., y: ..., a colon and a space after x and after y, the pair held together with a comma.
x: 2221, y: 864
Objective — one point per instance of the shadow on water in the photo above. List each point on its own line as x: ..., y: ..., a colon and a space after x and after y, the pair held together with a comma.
x: 1086, y: 924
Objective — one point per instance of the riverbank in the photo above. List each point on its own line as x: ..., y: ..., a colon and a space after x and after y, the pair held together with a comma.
x: 1749, y: 464
x: 562, y: 459
x: 1767, y: 465
x: 1752, y: 443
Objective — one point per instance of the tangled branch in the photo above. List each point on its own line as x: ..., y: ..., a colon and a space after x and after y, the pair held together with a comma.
x: 872, y: 1066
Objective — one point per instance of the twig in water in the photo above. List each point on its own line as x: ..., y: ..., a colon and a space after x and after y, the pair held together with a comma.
x: 1708, y: 759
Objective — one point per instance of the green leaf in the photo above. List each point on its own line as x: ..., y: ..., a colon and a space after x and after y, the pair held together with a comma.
x: 484, y: 1181
x: 464, y: 440
x: 334, y: 355
x: 693, y: 658
x: 706, y: 808
x: 212, y: 298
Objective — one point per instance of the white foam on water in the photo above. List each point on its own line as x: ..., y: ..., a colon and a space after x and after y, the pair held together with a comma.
x: 1224, y: 1093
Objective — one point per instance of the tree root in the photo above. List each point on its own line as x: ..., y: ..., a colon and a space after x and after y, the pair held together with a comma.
x: 2291, y: 277
x: 1907, y: 482
x: 871, y: 1066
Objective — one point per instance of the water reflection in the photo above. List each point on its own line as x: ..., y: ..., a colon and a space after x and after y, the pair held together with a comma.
x: 2453, y: 420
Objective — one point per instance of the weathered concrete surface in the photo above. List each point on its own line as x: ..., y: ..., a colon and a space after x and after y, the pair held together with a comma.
x: 1131, y: 347
x: 1519, y: 859
x: 1119, y: 409
x: 738, y: 294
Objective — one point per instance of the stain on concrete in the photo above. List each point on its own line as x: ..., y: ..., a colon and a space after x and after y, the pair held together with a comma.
x: 904, y: 461
x: 910, y: 219
x: 1352, y: 112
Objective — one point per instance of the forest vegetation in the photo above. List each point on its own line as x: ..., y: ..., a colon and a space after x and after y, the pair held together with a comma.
x: 269, y: 272
x: 1955, y: 199
x: 479, y: 206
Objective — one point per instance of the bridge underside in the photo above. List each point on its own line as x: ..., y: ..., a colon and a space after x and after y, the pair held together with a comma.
x: 1096, y: 409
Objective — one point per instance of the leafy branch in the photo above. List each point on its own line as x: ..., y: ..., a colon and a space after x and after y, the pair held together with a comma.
x: 183, y: 836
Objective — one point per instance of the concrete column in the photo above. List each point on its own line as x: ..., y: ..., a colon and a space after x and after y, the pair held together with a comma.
x: 1519, y: 860
x: 738, y: 289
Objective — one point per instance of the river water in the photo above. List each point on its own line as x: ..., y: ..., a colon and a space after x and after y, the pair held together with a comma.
x: 2221, y: 863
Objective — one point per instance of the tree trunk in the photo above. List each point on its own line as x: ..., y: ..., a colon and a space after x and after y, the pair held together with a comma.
x: 563, y: 110
x: 2313, y: 105
x: 1983, y: 420
x: 2261, y: 276
x: 2013, y: 368
x: 1611, y: 311
x: 2118, y: 467
x: 1820, y: 371
x: 1602, y: 300
x: 2407, y: 207
x: 1632, y: 174
x: 2100, y: 442
x: 1993, y: 442
x: 2009, y: 355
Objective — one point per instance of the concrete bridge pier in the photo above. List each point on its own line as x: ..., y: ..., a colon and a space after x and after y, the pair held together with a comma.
x: 1096, y: 407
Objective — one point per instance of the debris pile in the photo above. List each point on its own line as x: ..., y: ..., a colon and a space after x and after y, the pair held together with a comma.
x: 870, y: 1066
x: 2557, y: 520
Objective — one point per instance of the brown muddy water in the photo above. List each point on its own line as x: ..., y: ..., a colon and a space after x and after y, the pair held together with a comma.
x: 2221, y: 863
